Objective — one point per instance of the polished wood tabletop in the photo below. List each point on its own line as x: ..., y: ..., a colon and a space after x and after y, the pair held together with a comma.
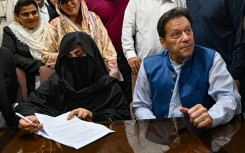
x: 146, y: 136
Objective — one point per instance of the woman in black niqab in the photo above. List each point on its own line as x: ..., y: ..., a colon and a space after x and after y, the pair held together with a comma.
x: 90, y: 68
x: 79, y: 82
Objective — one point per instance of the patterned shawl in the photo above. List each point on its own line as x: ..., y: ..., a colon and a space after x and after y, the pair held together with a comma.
x: 88, y: 21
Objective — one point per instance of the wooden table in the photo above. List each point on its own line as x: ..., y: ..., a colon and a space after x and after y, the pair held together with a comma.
x: 146, y: 136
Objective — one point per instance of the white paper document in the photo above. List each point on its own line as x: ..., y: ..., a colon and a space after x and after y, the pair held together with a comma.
x: 75, y: 132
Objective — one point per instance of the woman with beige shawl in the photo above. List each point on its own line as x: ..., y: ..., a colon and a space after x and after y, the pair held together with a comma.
x: 74, y: 16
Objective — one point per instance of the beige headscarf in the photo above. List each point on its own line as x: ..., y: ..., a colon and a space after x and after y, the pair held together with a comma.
x: 88, y: 23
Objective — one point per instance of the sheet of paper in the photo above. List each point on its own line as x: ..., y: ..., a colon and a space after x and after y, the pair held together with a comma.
x: 74, y: 132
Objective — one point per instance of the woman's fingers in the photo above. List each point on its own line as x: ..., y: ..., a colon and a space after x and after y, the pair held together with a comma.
x: 27, y: 127
x: 81, y: 113
x: 72, y: 113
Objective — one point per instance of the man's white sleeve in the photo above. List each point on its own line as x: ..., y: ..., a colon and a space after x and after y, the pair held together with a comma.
x: 128, y: 30
x: 224, y: 91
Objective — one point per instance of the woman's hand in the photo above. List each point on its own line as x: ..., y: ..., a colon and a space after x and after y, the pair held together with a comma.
x: 81, y: 113
x: 30, y: 128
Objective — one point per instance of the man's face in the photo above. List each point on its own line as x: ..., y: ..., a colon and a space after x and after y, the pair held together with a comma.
x: 178, y: 39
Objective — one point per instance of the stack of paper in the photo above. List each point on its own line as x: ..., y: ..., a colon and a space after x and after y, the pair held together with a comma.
x: 75, y: 132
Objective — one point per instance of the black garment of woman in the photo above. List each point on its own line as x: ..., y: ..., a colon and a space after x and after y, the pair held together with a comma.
x: 22, y: 57
x: 96, y: 91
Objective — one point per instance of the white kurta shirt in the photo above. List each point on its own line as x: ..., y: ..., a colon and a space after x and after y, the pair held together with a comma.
x: 140, y: 19
x: 44, y: 13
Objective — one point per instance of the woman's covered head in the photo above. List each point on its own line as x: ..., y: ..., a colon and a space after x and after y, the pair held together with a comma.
x: 70, y: 8
x: 27, y: 13
x: 79, y: 61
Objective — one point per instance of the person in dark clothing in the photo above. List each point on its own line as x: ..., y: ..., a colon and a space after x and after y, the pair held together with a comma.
x: 81, y: 85
x: 9, y: 86
x: 52, y: 3
x: 219, y: 25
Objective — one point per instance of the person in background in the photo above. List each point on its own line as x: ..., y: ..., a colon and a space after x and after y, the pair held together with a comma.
x: 6, y: 16
x: 185, y: 79
x: 111, y: 14
x: 52, y: 3
x: 47, y: 12
x: 9, y: 87
x: 219, y: 25
x: 23, y: 37
x: 74, y: 16
x: 86, y: 90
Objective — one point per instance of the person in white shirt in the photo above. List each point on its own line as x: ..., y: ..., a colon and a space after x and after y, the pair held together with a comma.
x: 185, y: 79
x: 140, y: 20
x: 47, y: 12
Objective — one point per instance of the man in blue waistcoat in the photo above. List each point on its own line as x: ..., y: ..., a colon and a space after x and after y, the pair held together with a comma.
x: 185, y: 78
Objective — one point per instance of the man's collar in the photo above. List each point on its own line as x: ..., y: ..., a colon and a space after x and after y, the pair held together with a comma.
x: 183, y: 63
x: 44, y: 9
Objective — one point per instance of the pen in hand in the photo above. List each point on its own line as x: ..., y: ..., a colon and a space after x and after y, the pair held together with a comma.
x: 26, y: 119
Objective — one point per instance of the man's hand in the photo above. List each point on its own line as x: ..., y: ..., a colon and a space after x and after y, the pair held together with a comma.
x: 198, y: 116
x: 237, y: 84
x: 134, y: 63
x: 30, y: 128
x: 81, y: 113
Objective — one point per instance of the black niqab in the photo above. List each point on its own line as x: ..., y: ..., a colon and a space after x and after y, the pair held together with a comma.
x: 79, y: 72
x: 79, y: 65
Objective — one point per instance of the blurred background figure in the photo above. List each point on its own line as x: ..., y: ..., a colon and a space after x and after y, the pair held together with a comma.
x: 219, y: 25
x: 9, y: 87
x: 6, y: 15
x: 47, y: 12
x: 52, y: 3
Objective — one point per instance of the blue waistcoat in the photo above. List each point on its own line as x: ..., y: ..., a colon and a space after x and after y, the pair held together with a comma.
x: 193, y: 80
